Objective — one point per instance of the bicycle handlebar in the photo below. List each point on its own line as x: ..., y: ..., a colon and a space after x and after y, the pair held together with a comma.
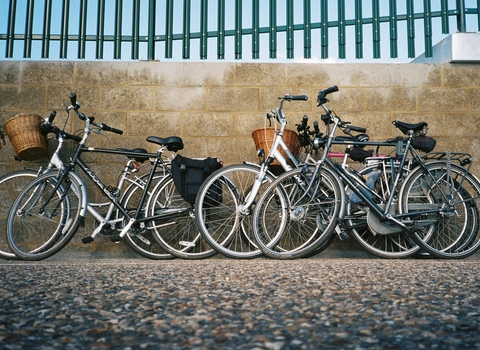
x: 321, y: 99
x: 75, y: 106
x: 289, y: 97
x: 108, y: 128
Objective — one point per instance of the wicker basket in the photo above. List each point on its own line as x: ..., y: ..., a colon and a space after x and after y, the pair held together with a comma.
x: 263, y: 138
x: 27, y: 140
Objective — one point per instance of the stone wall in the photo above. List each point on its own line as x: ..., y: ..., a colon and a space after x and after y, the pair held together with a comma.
x: 215, y: 107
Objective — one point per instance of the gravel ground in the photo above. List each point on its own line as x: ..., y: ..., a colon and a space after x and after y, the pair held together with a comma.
x: 236, y: 304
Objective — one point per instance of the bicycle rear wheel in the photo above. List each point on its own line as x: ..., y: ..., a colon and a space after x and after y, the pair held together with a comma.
x: 142, y: 240
x: 44, y: 217
x: 177, y: 233
x: 443, y: 202
x: 226, y: 226
x: 297, y: 214
x: 392, y: 245
x: 11, y: 184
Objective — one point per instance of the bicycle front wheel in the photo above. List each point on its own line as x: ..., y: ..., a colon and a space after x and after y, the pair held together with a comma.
x: 226, y: 225
x: 44, y: 217
x: 442, y: 201
x: 297, y: 214
x: 11, y: 185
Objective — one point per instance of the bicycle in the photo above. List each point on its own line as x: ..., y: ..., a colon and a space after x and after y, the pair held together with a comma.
x: 227, y: 226
x: 435, y: 195
x: 58, y: 202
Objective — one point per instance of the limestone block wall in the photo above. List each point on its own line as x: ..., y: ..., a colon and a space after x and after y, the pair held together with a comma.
x: 215, y: 106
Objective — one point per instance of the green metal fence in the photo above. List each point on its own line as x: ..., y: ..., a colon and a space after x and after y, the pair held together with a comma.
x: 145, y: 28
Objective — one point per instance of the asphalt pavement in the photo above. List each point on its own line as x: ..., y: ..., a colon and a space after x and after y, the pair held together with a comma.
x: 319, y: 303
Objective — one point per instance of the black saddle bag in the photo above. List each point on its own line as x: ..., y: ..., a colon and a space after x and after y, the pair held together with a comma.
x: 189, y: 174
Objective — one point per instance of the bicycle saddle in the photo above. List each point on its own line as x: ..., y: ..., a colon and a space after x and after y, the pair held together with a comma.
x: 138, y: 158
x: 406, y: 128
x: 173, y: 143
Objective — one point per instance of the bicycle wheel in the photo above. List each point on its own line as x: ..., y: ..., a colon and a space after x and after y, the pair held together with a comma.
x: 297, y: 214
x: 177, y: 233
x: 227, y: 226
x: 390, y: 245
x: 443, y: 203
x: 141, y: 239
x: 11, y: 185
x: 44, y: 217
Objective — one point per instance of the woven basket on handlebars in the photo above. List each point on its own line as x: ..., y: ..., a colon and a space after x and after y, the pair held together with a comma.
x: 27, y: 140
x: 263, y: 138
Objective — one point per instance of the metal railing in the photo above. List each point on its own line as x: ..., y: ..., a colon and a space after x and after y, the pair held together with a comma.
x: 144, y: 28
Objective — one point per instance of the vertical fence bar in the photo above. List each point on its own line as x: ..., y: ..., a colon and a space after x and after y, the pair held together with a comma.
x: 341, y: 30
x: 410, y: 29
x: 135, y: 29
x: 64, y: 32
x: 47, y: 20
x: 427, y: 18
x: 151, y: 30
x: 478, y: 15
x: 461, y: 16
x: 221, y: 30
x: 27, y: 50
x: 273, y: 29
x: 11, y: 28
x: 100, y: 29
x: 82, y: 29
x: 358, y: 29
x: 393, y: 29
x: 290, y: 38
x: 238, y: 29
x: 186, y: 29
x: 117, y: 44
x: 169, y: 29
x: 256, y: 29
x: 324, y: 28
x: 376, y: 28
x: 307, y: 29
x: 203, y: 29
x: 444, y: 9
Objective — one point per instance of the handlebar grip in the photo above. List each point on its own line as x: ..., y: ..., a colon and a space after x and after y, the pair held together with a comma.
x: 304, y: 122
x: 73, y: 99
x: 315, y: 126
x: 358, y: 128
x: 51, y: 117
x: 330, y: 90
x: 108, y: 128
x: 300, y: 98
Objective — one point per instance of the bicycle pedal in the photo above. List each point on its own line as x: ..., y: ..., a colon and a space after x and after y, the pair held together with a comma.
x: 116, y: 238
x: 87, y: 240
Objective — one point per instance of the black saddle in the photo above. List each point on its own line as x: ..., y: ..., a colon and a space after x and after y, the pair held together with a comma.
x: 173, y: 143
x: 407, y: 128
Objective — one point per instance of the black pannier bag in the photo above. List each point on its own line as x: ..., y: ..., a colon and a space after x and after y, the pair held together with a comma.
x: 189, y: 174
x: 424, y: 143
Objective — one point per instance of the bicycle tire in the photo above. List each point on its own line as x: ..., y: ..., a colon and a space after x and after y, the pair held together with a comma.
x: 292, y: 219
x: 222, y: 225
x: 33, y: 235
x: 454, y: 233
x: 11, y: 184
x: 177, y: 234
x: 142, y: 241
x: 388, y: 246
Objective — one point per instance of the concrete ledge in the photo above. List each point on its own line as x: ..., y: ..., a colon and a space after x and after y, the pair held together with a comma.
x: 456, y: 48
